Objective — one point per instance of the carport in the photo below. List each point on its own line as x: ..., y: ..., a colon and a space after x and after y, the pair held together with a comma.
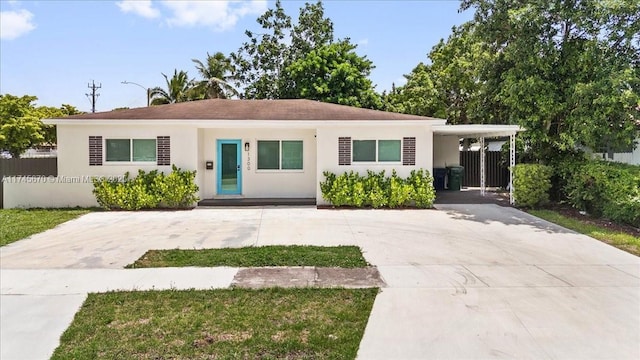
x: 480, y: 132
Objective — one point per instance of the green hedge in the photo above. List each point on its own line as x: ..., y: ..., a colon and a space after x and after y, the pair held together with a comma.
x: 148, y: 190
x: 376, y: 190
x: 531, y: 184
x: 606, y: 189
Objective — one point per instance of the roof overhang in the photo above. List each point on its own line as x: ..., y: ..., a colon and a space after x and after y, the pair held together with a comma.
x: 244, y: 124
x: 477, y: 130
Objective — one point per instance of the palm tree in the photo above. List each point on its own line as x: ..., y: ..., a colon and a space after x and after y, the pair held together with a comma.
x: 179, y: 89
x: 216, y: 74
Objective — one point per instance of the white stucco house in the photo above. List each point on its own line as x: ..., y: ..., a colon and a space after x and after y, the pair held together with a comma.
x: 242, y: 148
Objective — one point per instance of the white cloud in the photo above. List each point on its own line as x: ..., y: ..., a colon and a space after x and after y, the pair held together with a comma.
x: 363, y: 42
x: 142, y: 8
x: 219, y: 15
x: 14, y: 24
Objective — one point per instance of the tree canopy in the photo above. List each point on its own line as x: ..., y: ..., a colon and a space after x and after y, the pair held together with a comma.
x: 569, y: 69
x: 179, y: 88
x: 566, y: 70
x: 216, y: 72
x: 303, y: 61
x: 333, y: 73
x: 20, y: 123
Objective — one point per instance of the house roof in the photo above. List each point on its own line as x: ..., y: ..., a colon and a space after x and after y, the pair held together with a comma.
x: 225, y: 109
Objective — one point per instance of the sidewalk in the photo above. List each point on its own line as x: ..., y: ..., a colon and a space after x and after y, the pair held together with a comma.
x: 36, y: 306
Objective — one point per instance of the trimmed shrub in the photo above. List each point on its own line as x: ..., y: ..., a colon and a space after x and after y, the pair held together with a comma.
x: 147, y: 190
x: 607, y: 189
x: 531, y: 184
x: 564, y: 167
x: 423, y: 192
x: 376, y: 190
x: 376, y: 185
x: 399, y: 191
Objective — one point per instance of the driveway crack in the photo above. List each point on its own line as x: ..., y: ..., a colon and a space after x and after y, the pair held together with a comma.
x: 259, y: 227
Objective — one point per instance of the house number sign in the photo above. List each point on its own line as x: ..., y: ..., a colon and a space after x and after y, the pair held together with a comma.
x: 248, y: 162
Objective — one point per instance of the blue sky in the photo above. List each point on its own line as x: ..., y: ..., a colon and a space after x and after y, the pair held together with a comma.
x: 53, y: 49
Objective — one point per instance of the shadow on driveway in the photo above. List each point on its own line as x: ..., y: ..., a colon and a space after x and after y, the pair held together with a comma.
x: 486, y: 214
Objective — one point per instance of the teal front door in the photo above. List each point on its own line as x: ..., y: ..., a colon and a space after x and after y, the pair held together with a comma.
x: 229, y: 169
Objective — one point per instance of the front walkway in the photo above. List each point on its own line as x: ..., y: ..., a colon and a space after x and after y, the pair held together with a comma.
x: 465, y: 281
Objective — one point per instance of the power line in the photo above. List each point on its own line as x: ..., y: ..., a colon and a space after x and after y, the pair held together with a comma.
x: 93, y: 95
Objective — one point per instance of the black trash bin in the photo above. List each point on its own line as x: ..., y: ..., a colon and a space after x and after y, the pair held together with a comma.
x: 439, y: 175
x: 455, y: 174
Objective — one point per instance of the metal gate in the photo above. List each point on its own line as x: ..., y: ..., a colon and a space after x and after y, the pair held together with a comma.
x: 497, y: 173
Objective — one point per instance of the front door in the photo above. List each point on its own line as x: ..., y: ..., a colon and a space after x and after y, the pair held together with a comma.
x: 229, y: 169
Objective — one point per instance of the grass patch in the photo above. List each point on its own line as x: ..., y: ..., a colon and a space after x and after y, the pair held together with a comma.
x: 295, y: 255
x: 219, y: 324
x: 19, y: 223
x: 619, y: 239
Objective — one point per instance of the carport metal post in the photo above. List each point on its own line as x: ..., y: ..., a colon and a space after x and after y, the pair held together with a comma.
x: 512, y: 163
x: 482, y: 167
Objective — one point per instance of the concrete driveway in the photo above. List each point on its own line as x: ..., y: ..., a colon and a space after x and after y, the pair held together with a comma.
x: 464, y: 281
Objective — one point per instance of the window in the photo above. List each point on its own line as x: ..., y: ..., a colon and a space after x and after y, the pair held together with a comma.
x: 279, y: 155
x: 364, y: 150
x: 389, y: 150
x: 268, y: 155
x: 377, y: 150
x: 126, y: 150
x: 292, y: 155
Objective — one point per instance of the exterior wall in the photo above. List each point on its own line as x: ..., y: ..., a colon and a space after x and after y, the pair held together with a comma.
x: 446, y: 151
x: 47, y: 192
x: 192, y: 147
x: 327, y: 140
x: 628, y: 157
x: 260, y: 183
x: 73, y: 185
x: 73, y: 148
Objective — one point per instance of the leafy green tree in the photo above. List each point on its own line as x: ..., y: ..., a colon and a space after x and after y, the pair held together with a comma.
x: 216, y: 72
x: 261, y: 60
x: 567, y: 70
x: 450, y: 86
x: 419, y: 96
x: 303, y: 60
x: 179, y: 89
x: 312, y: 30
x: 333, y: 73
x: 48, y: 112
x: 20, y: 129
x: 20, y: 123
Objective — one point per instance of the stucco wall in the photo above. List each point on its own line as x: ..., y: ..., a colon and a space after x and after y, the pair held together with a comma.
x: 446, y: 151
x: 47, y: 192
x: 73, y: 186
x: 260, y: 183
x: 327, y: 139
x: 73, y: 147
x: 192, y: 147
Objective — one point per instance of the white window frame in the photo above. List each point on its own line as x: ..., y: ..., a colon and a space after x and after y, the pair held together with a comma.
x: 130, y: 162
x: 280, y: 170
x: 377, y: 161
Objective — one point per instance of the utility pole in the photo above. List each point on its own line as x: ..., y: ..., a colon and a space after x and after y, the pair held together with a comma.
x: 93, y: 95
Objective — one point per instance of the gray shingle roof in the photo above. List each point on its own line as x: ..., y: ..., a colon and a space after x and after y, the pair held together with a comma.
x: 223, y: 109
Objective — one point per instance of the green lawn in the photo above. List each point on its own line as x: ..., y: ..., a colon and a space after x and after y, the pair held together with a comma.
x: 295, y: 255
x: 17, y: 224
x: 622, y: 240
x: 219, y: 324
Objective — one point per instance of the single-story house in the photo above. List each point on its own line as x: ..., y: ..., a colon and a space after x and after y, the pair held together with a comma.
x: 242, y: 148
